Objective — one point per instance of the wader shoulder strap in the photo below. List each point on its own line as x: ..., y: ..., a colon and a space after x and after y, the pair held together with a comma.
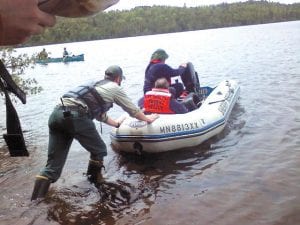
x: 14, y: 137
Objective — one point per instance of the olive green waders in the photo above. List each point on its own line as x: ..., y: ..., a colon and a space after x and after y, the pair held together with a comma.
x: 62, y: 130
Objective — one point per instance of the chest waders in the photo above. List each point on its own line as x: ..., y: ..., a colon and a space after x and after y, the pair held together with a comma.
x: 96, y: 105
x: 90, y: 96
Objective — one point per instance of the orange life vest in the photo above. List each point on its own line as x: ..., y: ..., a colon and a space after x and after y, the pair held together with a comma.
x: 158, y: 101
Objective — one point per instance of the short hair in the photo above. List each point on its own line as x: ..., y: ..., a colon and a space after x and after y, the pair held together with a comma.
x: 112, y: 72
x: 161, y: 83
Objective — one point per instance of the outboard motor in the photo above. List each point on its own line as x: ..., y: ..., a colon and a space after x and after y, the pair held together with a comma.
x: 190, y: 79
x: 178, y: 88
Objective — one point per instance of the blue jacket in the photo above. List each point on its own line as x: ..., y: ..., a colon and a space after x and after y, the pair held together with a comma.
x: 160, y: 70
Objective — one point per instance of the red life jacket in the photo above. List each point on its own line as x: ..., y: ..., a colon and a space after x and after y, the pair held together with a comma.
x: 158, y: 101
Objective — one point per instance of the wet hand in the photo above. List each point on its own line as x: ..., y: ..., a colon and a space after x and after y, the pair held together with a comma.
x: 152, y: 117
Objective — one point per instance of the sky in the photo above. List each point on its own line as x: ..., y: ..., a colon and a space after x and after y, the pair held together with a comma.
x: 128, y: 4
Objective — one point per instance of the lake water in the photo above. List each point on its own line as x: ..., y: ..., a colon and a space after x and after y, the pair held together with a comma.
x: 249, y: 174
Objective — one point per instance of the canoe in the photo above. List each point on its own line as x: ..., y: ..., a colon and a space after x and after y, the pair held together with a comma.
x: 177, y: 131
x: 73, y: 58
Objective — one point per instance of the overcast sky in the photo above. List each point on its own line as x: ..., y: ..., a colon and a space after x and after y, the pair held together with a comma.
x: 128, y: 4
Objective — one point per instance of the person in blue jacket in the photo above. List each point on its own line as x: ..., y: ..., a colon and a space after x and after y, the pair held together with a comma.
x: 157, y: 68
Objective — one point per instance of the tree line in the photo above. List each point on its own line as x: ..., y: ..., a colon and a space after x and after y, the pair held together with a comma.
x: 165, y: 19
x: 146, y: 21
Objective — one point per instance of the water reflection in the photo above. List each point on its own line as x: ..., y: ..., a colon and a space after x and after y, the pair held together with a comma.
x: 137, y: 183
x: 141, y: 179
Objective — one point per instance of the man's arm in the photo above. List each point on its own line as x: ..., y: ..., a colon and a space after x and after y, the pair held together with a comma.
x: 116, y: 123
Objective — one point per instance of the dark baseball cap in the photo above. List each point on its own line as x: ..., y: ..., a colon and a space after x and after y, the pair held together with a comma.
x: 114, y: 71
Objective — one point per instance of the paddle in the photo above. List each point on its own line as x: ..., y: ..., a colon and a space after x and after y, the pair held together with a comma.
x: 217, y: 101
x: 14, y: 137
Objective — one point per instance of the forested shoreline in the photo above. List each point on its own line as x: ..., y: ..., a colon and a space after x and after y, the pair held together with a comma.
x: 164, y: 19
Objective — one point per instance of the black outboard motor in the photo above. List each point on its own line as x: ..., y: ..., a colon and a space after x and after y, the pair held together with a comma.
x: 191, y: 101
x: 190, y: 79
x: 178, y: 88
x: 191, y: 82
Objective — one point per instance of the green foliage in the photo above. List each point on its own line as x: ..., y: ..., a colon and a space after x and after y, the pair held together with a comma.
x: 163, y: 19
x: 16, y: 66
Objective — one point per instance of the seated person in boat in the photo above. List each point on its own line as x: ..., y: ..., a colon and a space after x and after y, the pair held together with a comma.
x: 157, y: 68
x: 161, y: 100
x: 65, y: 53
x: 43, y: 54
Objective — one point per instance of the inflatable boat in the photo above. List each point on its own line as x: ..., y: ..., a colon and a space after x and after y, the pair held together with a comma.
x: 212, y: 108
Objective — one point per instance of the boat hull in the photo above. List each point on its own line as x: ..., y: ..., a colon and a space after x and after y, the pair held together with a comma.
x: 74, y: 58
x: 171, y: 132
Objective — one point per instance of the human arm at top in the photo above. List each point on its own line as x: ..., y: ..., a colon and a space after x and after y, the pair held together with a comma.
x: 168, y: 71
x: 19, y: 19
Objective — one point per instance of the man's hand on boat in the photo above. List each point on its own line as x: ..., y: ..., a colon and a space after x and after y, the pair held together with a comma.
x: 152, y: 117
x: 140, y: 116
x: 147, y: 118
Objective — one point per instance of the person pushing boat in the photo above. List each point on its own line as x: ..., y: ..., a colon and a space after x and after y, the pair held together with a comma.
x: 73, y: 118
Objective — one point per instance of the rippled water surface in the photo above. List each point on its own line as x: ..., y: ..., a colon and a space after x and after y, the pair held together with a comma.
x: 248, y: 174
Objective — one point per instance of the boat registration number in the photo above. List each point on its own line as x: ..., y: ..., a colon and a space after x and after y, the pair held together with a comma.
x: 181, y: 127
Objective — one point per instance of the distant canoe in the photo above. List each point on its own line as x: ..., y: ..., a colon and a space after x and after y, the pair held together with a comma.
x: 73, y: 58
